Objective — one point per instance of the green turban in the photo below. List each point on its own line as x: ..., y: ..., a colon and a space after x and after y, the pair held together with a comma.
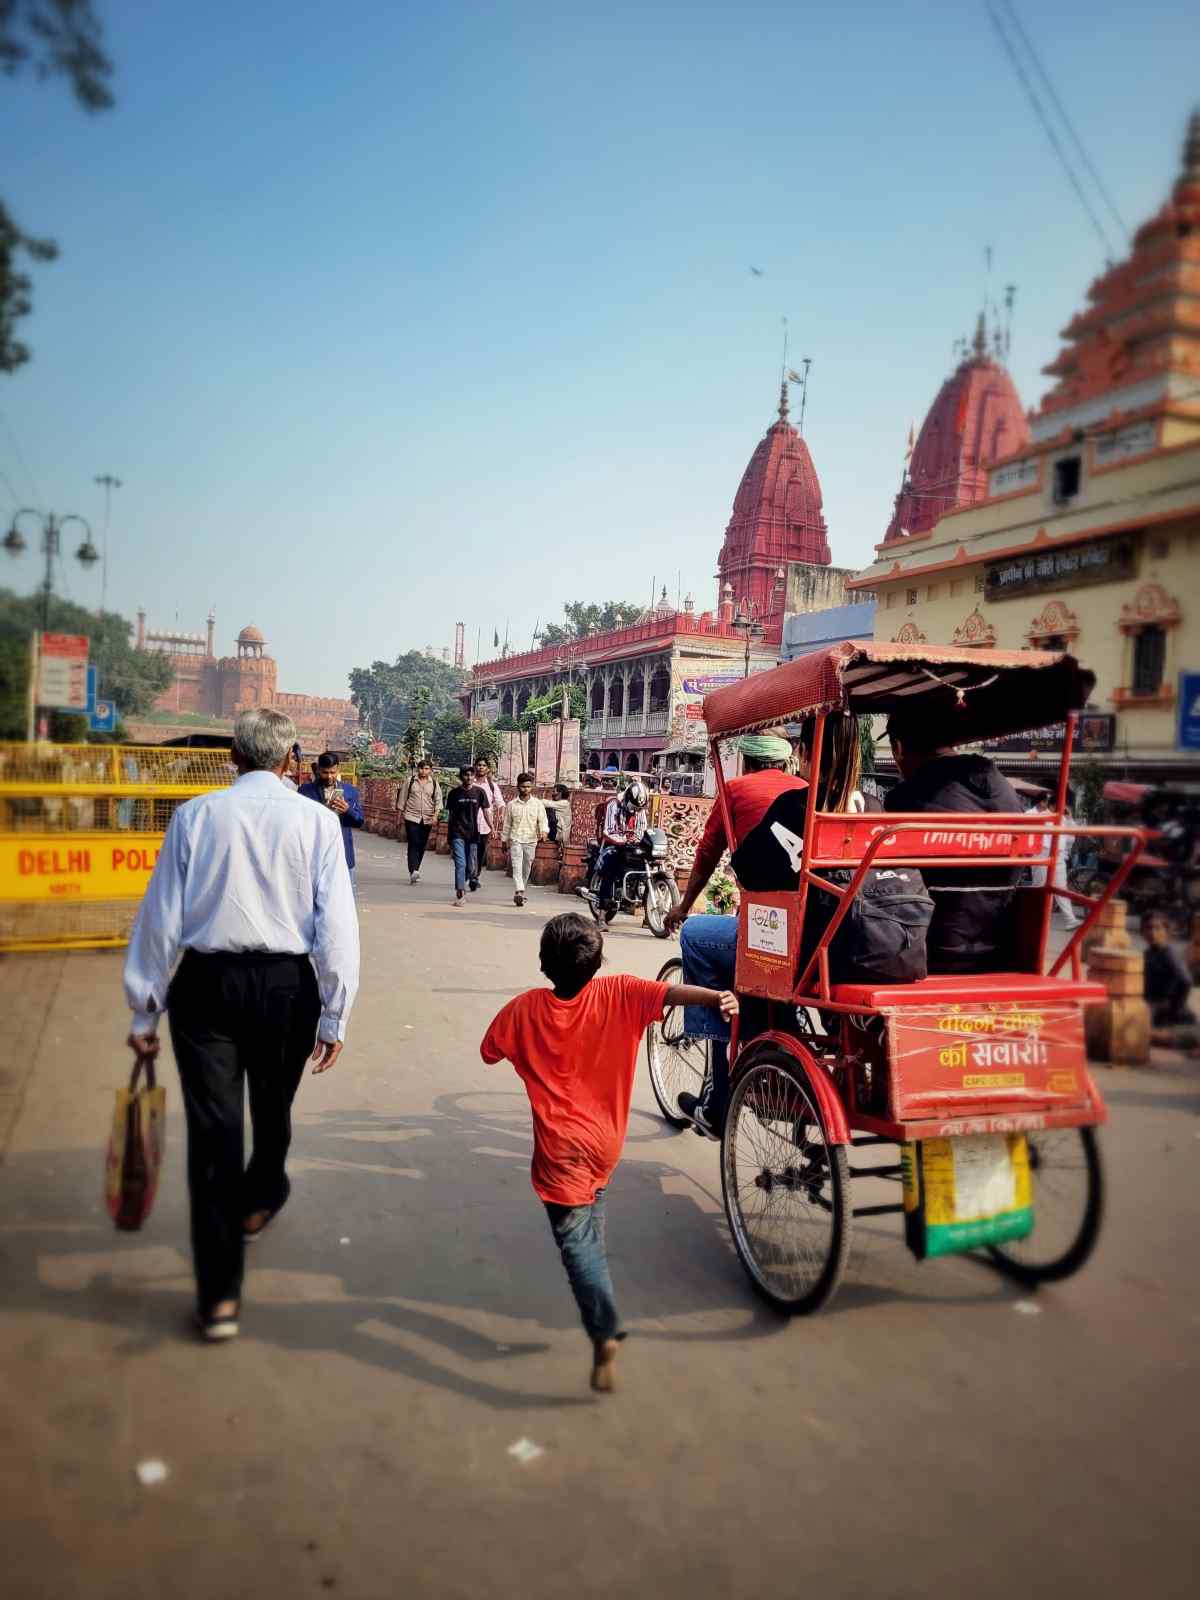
x: 765, y: 747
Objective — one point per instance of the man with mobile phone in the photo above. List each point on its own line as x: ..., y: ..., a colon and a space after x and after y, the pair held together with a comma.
x: 327, y: 789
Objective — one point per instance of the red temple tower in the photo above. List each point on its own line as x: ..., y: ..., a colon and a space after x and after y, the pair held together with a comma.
x: 776, y: 522
x: 976, y: 417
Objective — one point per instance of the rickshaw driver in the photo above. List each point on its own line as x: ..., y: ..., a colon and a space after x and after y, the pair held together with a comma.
x: 708, y: 944
x: 969, y: 915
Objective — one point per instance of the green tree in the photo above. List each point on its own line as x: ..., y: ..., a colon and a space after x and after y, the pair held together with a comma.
x: 385, y: 692
x: 47, y: 39
x: 548, y: 707
x: 453, y: 741
x: 415, y: 741
x: 584, y: 619
x: 133, y: 679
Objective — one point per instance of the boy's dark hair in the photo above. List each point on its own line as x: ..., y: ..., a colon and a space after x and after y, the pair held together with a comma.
x: 464, y: 773
x: 326, y: 760
x: 524, y: 777
x: 1154, y: 916
x: 560, y: 792
x: 571, y: 951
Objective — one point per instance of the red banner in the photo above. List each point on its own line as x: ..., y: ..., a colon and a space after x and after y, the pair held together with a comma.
x: 847, y: 838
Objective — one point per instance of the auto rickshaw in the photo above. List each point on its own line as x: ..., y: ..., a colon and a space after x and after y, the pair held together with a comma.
x: 980, y: 1082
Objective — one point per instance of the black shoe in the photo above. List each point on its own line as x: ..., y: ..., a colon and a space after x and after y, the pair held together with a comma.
x: 694, y: 1110
x: 473, y: 884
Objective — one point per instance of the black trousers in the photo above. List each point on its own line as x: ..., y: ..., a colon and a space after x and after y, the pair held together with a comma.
x: 235, y: 1019
x: 417, y: 834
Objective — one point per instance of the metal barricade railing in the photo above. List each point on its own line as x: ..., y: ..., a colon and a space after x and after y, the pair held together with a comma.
x: 80, y: 830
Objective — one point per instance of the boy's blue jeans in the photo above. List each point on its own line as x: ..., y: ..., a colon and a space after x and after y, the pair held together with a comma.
x: 466, y: 862
x: 709, y: 948
x: 579, y: 1232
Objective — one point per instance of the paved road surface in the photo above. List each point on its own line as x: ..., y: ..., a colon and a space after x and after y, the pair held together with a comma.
x: 406, y: 1323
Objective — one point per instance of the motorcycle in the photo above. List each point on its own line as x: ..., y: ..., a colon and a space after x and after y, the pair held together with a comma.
x: 645, y: 880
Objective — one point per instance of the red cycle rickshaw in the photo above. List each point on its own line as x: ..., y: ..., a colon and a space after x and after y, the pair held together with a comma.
x: 982, y: 1080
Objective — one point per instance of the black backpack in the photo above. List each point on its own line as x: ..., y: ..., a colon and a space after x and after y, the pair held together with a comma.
x: 881, y: 940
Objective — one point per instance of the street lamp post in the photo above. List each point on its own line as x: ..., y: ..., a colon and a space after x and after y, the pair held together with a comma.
x: 746, y: 622
x: 108, y: 483
x: 15, y: 543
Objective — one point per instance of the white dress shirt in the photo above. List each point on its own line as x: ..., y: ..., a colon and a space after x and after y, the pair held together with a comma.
x: 252, y: 867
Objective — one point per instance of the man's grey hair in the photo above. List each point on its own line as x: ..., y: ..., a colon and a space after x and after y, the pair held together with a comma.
x: 264, y: 738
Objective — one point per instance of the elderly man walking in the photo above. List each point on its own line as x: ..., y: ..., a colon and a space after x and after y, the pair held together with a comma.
x: 251, y: 884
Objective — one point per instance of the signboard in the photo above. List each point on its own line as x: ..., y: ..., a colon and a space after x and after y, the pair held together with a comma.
x: 706, y: 685
x: 1189, y: 710
x: 77, y: 866
x: 997, y: 1055
x: 63, y: 671
x: 1100, y: 561
x: 1095, y: 733
x: 514, y: 752
x: 545, y: 763
x: 568, y: 758
x: 768, y: 944
x: 103, y: 717
x: 846, y: 838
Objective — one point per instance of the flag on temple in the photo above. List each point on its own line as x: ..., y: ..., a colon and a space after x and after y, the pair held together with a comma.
x: 794, y: 376
x: 911, y: 443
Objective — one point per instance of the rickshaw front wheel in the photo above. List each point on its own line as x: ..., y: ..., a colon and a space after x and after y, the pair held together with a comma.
x: 786, y: 1187
x: 677, y: 1062
x: 1068, y: 1205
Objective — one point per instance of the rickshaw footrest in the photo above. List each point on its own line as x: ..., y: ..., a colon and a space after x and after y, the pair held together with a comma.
x: 878, y: 1211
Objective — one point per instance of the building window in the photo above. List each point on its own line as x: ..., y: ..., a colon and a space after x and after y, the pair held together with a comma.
x: 911, y: 597
x: 932, y: 592
x: 955, y: 587
x: 660, y: 689
x: 1149, y: 660
x: 1066, y: 479
x: 1160, y: 549
x: 979, y: 583
x: 890, y: 600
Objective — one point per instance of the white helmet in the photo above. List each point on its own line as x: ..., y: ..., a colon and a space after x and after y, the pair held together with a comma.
x: 635, y: 797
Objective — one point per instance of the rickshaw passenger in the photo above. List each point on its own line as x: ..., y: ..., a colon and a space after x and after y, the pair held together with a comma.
x: 708, y: 944
x: 971, y: 909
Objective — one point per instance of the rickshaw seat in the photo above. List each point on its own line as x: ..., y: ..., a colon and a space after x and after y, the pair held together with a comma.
x: 974, y: 988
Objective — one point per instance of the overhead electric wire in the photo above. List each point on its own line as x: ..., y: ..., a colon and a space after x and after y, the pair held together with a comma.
x: 1047, y: 126
x: 20, y: 455
x: 1048, y: 85
x: 14, y: 496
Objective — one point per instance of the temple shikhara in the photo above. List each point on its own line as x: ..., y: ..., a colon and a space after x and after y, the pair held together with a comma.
x: 1079, y: 530
x: 645, y: 683
x: 210, y: 690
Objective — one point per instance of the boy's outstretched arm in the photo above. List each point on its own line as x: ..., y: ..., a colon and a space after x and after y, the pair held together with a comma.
x: 691, y: 994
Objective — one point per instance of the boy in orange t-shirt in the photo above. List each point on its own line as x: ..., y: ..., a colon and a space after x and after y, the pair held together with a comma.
x: 575, y: 1049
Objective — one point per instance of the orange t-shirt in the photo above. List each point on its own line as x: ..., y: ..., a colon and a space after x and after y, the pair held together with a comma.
x: 577, y: 1059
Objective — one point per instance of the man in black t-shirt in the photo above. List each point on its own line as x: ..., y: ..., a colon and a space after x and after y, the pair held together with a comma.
x: 463, y: 806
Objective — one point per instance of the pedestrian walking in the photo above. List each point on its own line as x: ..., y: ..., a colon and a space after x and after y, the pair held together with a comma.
x: 525, y: 822
x: 492, y: 820
x: 342, y: 799
x: 575, y: 1048
x: 466, y: 806
x: 251, y: 884
x: 419, y: 802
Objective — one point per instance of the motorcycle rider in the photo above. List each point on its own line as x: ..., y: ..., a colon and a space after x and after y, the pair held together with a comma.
x: 624, y: 824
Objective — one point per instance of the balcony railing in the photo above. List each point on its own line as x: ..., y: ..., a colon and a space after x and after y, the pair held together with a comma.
x: 633, y: 726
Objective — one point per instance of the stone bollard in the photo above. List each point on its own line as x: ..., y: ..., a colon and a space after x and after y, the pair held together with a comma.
x: 570, y: 874
x: 1110, y: 930
x: 1118, y: 1030
x: 547, y: 861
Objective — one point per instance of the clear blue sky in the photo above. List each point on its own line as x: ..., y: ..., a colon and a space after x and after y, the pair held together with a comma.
x: 395, y: 315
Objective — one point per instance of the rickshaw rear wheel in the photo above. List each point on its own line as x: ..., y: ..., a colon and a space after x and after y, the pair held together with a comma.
x: 786, y: 1187
x: 676, y: 1062
x: 1068, y: 1207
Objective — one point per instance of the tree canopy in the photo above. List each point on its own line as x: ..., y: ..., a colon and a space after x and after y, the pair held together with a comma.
x: 584, y: 618
x: 386, y: 692
x: 133, y: 679
x: 47, y: 39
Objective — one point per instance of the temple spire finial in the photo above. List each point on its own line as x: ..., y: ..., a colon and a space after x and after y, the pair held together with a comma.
x: 980, y: 343
x: 783, y: 400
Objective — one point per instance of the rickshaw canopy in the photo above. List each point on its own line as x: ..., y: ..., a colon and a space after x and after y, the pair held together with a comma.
x: 976, y: 694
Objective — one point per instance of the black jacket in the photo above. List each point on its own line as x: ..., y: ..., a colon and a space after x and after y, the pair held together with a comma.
x: 971, y: 908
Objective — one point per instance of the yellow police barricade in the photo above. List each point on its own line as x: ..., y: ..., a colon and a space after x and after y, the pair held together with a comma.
x: 80, y: 830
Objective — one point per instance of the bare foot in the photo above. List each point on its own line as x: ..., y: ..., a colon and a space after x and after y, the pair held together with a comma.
x: 604, y: 1360
x: 256, y: 1222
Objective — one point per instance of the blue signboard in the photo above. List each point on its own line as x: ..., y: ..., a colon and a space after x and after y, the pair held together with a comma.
x: 102, y: 714
x: 1189, y: 710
